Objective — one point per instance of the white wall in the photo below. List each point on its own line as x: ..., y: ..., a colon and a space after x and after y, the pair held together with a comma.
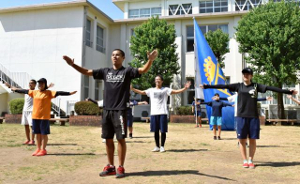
x: 35, y: 41
x: 95, y: 59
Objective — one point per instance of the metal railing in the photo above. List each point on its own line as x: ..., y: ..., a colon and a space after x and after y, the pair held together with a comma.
x: 21, y: 80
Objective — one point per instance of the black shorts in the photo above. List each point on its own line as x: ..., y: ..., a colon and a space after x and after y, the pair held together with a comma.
x: 114, y: 122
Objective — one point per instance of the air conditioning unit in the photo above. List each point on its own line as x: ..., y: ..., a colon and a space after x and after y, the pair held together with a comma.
x: 273, y: 111
x: 141, y: 111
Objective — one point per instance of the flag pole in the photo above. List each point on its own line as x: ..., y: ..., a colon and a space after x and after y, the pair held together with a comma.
x: 195, y: 81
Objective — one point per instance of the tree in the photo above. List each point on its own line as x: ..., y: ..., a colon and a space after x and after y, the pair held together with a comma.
x: 155, y: 33
x: 269, y: 35
x: 218, y: 42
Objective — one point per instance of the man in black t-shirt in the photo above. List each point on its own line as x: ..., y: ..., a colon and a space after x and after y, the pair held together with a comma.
x: 248, y: 124
x: 116, y: 89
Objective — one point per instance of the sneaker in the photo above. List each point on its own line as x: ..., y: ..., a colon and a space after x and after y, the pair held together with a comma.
x: 219, y: 138
x: 215, y: 137
x: 200, y: 126
x: 162, y: 149
x: 31, y: 143
x: 41, y: 153
x: 245, y: 165
x: 36, y: 152
x: 25, y: 143
x: 130, y: 135
x: 156, y: 149
x: 120, y: 172
x: 108, y: 170
x: 251, y: 166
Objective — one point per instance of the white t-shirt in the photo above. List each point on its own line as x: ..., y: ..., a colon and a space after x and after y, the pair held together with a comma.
x: 158, y: 100
x: 233, y: 98
x: 28, y: 103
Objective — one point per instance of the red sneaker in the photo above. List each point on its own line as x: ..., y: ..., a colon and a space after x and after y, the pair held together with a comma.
x: 27, y: 142
x: 120, y: 172
x: 245, y: 165
x: 108, y: 170
x: 42, y: 153
x: 36, y: 152
x: 251, y: 166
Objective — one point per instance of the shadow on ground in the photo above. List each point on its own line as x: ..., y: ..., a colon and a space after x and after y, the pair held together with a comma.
x: 277, y: 164
x: 176, y: 172
x: 70, y: 154
x: 186, y: 150
x: 61, y: 144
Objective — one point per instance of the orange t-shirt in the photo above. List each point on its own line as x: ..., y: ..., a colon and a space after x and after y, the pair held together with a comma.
x: 41, y: 103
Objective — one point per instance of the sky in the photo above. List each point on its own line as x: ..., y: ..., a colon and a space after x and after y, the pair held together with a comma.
x: 104, y: 5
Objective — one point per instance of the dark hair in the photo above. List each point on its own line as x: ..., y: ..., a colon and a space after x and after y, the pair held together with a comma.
x: 217, y: 94
x: 160, y: 76
x: 34, y: 81
x: 122, y: 52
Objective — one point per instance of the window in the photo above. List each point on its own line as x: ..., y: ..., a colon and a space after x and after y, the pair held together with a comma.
x: 86, y: 86
x: 134, y: 13
x: 204, y: 29
x: 183, y: 9
x: 213, y: 6
x: 145, y: 12
x: 88, y: 35
x: 156, y: 11
x: 243, y: 5
x: 100, y: 39
x: 97, y: 90
x: 191, y: 91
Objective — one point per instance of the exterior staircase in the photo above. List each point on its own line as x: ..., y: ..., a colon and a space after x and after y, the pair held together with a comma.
x: 21, y: 80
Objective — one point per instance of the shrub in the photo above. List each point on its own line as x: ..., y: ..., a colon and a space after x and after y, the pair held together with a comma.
x: 86, y: 108
x: 184, y: 110
x: 16, y: 105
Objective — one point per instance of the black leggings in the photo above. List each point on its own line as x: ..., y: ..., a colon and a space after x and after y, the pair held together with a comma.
x: 163, y: 139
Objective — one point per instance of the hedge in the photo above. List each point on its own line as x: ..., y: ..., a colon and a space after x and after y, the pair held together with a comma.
x: 184, y: 110
x: 16, y: 105
x: 87, y: 108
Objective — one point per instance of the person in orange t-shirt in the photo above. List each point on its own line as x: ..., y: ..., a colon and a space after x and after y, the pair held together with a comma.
x: 41, y: 112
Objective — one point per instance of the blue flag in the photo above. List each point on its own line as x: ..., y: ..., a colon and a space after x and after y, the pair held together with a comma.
x: 211, y: 73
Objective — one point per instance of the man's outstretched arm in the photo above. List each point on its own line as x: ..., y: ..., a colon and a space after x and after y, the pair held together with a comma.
x: 80, y: 69
x: 151, y: 57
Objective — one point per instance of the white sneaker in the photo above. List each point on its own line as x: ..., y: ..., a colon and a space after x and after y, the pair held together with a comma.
x: 103, y: 140
x: 156, y: 149
x: 162, y: 149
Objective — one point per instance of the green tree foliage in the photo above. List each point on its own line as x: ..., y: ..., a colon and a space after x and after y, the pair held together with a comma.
x: 155, y: 34
x: 218, y: 42
x: 16, y: 105
x: 270, y: 36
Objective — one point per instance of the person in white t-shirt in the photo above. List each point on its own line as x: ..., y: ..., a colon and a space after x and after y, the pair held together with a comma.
x: 158, y: 100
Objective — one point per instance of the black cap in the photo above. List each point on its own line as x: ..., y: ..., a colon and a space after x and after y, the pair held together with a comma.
x: 247, y: 70
x: 43, y: 80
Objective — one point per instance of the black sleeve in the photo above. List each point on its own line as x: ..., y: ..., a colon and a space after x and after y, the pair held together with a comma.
x: 221, y: 98
x: 226, y: 104
x: 133, y: 72
x: 91, y: 100
x: 24, y: 91
x: 231, y: 87
x: 99, y: 74
x: 207, y: 103
x: 62, y: 93
x: 278, y: 90
x: 262, y: 99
